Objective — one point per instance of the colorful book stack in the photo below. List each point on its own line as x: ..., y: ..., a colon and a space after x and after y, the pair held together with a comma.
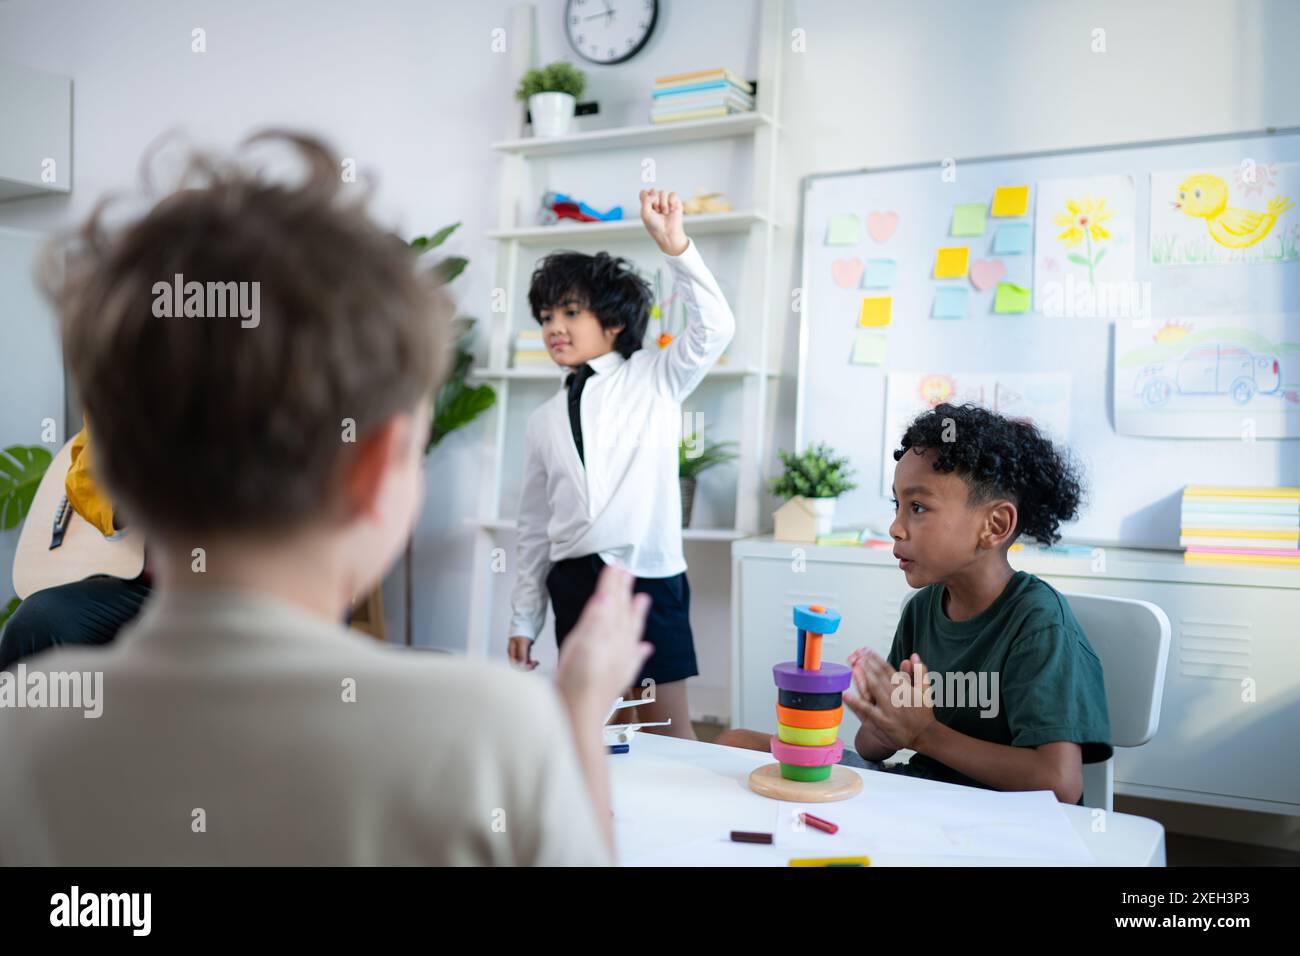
x: 809, y: 703
x: 531, y: 350
x: 1241, y: 525
x: 689, y: 96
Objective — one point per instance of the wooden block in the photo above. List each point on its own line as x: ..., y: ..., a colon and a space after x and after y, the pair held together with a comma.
x: 841, y: 784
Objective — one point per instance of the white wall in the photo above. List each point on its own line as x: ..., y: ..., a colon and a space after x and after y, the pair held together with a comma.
x: 411, y: 89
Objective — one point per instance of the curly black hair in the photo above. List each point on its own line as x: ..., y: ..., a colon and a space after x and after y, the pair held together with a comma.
x: 607, y: 285
x: 1002, y: 457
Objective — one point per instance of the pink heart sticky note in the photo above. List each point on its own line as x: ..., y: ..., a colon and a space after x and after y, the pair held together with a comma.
x: 881, y: 225
x: 847, y: 272
x: 985, y: 273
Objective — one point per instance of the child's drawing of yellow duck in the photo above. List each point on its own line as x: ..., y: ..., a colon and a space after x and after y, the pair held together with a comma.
x: 1206, y: 197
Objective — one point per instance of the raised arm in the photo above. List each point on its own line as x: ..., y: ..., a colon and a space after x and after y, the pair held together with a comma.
x: 710, y: 324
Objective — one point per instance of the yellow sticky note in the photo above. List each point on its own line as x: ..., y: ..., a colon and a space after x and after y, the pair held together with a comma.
x: 950, y: 263
x: 1010, y: 200
x: 876, y: 310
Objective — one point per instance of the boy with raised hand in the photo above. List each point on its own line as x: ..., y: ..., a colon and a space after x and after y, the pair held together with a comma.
x: 601, y: 466
x: 276, y: 467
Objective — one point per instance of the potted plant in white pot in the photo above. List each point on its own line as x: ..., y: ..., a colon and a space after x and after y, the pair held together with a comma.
x: 695, y: 455
x: 551, y: 93
x: 816, y: 477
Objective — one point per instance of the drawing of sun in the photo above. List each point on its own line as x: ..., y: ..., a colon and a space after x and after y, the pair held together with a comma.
x: 1171, y: 332
x: 936, y: 389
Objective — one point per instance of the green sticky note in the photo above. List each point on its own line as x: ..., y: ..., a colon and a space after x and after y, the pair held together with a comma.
x: 968, y: 219
x: 868, y: 348
x: 1011, y: 298
x: 844, y: 230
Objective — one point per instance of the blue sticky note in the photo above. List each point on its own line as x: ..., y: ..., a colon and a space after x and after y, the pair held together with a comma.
x: 879, y: 273
x: 1012, y: 239
x: 949, y: 303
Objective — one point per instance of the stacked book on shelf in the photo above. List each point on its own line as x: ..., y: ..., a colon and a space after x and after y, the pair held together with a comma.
x: 1241, y: 525
x: 530, y: 350
x: 700, y: 95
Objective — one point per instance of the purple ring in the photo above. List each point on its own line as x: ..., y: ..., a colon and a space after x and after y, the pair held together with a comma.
x: 832, y: 678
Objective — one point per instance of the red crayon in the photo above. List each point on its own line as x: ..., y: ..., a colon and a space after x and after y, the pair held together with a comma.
x: 818, y: 823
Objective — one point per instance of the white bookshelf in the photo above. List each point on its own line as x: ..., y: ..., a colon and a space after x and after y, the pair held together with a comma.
x: 651, y: 134
x: 705, y: 224
x: 738, y: 391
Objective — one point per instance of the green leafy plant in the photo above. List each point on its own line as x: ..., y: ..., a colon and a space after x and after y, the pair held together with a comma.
x: 557, y: 77
x: 458, y: 403
x: 817, y: 473
x: 7, y: 611
x: 21, y: 470
x: 710, y: 454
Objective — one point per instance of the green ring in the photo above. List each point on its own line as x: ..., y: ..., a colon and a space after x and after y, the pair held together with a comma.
x: 806, y: 774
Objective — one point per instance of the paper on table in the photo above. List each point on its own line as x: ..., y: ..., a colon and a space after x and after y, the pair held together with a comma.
x: 966, y: 823
x: 843, y: 230
x: 967, y: 219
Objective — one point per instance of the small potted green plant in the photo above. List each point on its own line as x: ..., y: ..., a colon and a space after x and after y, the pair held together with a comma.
x: 696, y: 455
x: 551, y: 93
x: 817, y: 476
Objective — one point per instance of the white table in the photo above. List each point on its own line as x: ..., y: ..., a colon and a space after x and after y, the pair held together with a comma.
x: 676, y: 802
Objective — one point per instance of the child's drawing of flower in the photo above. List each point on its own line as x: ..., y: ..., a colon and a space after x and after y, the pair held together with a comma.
x: 1083, y: 222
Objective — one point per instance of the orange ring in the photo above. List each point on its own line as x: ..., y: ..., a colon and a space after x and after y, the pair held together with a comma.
x: 812, y: 719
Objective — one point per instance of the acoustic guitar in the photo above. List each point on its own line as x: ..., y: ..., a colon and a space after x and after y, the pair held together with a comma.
x: 58, y: 546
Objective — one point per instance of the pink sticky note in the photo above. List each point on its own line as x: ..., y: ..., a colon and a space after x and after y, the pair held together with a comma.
x: 985, y: 273
x: 847, y: 272
x: 881, y: 225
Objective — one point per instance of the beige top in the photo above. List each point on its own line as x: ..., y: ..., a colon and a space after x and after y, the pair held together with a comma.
x: 229, y: 735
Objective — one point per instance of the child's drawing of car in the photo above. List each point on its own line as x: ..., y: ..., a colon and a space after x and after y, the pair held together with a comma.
x: 1210, y: 370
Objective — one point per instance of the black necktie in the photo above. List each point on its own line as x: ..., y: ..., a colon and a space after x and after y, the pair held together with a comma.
x: 574, y: 383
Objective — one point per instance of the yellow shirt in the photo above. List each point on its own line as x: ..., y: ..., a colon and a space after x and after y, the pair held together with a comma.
x: 86, y: 497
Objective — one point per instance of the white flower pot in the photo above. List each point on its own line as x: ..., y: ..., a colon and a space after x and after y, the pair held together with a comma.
x: 825, y: 511
x: 552, y: 113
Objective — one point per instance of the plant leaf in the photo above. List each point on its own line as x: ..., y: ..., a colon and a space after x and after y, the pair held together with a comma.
x: 451, y: 267
x: 21, y: 470
x: 1077, y: 259
x: 8, y: 610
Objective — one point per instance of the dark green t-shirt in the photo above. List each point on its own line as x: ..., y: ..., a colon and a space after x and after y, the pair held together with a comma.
x: 1024, y: 661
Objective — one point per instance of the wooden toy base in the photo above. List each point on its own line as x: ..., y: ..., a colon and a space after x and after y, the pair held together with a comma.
x: 767, y: 781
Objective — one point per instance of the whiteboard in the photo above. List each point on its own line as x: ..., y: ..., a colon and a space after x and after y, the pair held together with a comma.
x: 1133, y: 482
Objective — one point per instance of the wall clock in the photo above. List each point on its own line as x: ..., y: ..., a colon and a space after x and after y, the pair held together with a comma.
x: 609, y: 31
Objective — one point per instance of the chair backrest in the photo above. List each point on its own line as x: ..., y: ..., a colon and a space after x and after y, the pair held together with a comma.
x: 1131, y: 639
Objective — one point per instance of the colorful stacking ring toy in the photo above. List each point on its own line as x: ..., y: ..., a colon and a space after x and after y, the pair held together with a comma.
x: 809, y: 703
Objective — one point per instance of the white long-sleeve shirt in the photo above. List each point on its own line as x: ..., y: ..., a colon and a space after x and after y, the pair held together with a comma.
x: 625, y: 504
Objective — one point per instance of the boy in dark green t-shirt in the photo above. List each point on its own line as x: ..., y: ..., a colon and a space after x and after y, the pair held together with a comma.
x: 990, y: 679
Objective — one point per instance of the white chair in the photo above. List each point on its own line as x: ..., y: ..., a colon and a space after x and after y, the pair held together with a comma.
x: 1131, y: 639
